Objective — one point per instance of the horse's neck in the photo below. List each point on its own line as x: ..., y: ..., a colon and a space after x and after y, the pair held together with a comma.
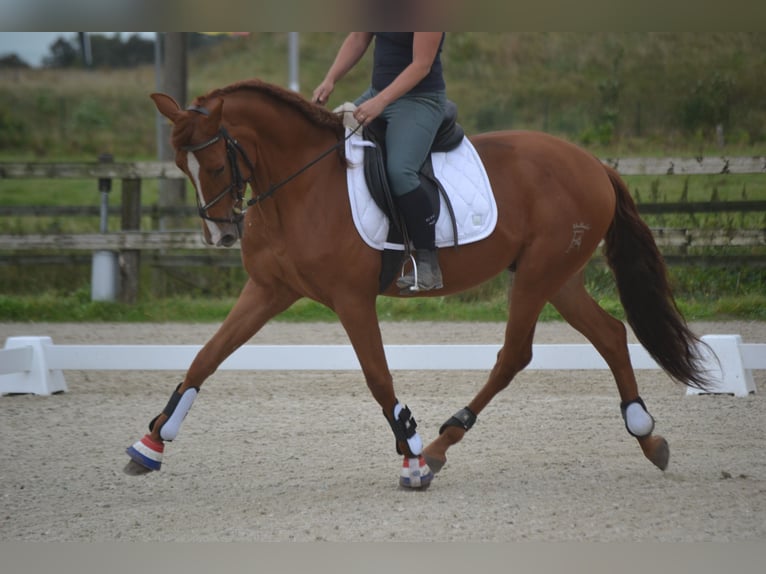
x: 284, y: 130
x: 284, y: 144
x: 287, y: 144
x: 287, y: 150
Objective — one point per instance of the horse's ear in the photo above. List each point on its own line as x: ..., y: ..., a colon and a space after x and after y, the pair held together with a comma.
x: 167, y: 106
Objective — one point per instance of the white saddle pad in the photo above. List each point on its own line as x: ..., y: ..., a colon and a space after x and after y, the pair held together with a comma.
x: 464, y: 178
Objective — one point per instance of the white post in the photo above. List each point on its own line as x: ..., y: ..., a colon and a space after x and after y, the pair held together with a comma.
x: 104, y: 278
x: 36, y: 378
x: 726, y: 368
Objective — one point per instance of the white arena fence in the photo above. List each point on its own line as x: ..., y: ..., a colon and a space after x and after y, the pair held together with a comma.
x: 35, y: 365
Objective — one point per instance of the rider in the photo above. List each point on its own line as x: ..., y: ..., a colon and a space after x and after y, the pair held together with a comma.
x: 409, y: 92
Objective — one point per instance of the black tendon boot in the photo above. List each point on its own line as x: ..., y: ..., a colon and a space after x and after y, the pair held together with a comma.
x: 420, y: 220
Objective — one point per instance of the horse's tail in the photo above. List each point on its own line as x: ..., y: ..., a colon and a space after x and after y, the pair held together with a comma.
x: 645, y: 292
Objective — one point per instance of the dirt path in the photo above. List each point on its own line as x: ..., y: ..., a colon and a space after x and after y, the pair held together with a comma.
x: 308, y: 456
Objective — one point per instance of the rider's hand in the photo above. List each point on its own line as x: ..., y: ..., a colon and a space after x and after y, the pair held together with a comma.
x: 322, y: 92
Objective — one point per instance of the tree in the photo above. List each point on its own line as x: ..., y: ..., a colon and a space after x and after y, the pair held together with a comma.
x: 708, y: 107
x: 63, y: 54
x: 110, y: 51
x: 114, y: 52
x: 12, y: 61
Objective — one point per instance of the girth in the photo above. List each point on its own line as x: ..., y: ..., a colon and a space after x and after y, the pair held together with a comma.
x: 449, y: 136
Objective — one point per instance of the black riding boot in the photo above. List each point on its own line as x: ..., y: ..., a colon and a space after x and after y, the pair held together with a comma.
x: 420, y: 220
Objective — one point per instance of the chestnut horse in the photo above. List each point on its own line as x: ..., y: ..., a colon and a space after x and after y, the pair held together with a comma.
x: 555, y: 204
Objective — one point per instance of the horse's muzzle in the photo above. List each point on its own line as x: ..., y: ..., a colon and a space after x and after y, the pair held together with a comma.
x: 227, y: 240
x: 221, y: 235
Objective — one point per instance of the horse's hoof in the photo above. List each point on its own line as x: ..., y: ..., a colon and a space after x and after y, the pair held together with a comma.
x: 657, y: 450
x: 146, y: 453
x: 132, y: 468
x: 416, y: 474
x: 435, y: 464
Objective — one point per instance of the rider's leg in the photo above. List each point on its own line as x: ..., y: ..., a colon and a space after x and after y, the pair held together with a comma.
x: 412, y: 125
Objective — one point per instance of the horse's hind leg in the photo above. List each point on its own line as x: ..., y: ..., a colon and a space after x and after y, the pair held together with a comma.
x: 608, y: 336
x: 255, y: 306
x: 526, y: 300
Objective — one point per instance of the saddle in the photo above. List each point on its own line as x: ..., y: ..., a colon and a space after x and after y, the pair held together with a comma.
x: 448, y: 137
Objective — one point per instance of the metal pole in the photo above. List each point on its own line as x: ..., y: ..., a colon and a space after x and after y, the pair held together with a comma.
x: 104, y: 268
x: 293, y: 55
x: 158, y: 87
x: 174, y: 79
x: 104, y: 187
x: 85, y: 49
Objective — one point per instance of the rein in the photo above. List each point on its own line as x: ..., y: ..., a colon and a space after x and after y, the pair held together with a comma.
x: 275, y: 186
x: 238, y: 182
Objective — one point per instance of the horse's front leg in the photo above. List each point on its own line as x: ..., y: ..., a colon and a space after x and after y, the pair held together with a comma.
x: 255, y: 306
x: 361, y: 324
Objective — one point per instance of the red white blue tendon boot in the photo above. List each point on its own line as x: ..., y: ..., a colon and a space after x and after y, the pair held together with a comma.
x: 415, y: 474
x: 147, y: 453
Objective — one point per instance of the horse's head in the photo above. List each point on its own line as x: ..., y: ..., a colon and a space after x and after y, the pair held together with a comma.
x: 214, y: 162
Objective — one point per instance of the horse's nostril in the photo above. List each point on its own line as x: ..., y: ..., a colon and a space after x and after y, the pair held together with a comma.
x: 228, y: 240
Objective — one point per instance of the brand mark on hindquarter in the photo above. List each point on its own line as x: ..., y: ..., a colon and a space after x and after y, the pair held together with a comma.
x: 578, y: 231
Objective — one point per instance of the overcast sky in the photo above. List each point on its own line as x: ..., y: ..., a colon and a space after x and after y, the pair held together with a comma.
x: 32, y: 47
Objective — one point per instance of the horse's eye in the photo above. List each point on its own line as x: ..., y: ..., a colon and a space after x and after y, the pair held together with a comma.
x: 218, y: 171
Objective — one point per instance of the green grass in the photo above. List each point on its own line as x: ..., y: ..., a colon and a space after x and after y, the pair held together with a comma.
x: 74, y: 308
x: 702, y: 294
x: 700, y: 189
x: 77, y: 307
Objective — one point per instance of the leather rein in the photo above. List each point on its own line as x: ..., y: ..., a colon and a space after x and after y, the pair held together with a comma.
x: 238, y: 182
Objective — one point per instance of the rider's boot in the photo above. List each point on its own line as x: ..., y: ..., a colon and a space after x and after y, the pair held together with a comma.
x: 420, y: 220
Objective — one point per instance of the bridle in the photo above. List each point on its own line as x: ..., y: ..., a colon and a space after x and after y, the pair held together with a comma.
x: 238, y: 183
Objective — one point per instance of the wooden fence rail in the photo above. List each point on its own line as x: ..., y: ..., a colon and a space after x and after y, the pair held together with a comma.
x: 130, y: 241
x: 168, y: 170
x: 185, y: 240
x: 156, y: 211
x: 91, y: 170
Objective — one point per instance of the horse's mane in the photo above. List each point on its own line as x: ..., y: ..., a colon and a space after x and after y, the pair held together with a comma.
x: 317, y: 115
